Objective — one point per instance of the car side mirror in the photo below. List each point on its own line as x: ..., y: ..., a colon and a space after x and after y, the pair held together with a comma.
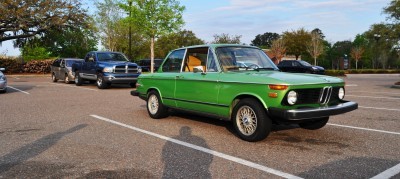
x: 91, y: 59
x: 198, y: 69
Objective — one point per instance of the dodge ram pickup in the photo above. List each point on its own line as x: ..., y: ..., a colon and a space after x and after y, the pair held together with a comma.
x: 106, y: 68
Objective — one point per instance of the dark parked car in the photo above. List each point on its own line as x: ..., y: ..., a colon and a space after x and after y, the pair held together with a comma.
x: 3, y: 81
x: 145, y: 64
x: 299, y: 66
x: 62, y: 69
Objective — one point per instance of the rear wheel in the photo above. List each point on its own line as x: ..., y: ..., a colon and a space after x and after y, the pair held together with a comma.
x: 314, y: 124
x: 101, y: 84
x: 78, y: 79
x: 155, y: 108
x: 250, y: 120
x: 53, y: 78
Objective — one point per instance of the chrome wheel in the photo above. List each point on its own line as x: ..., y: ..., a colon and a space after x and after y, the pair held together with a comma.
x: 66, y: 80
x: 53, y: 77
x: 246, y: 120
x: 153, y: 104
x: 99, y: 81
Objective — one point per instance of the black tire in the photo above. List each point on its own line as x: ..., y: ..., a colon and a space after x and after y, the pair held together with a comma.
x: 314, y: 124
x: 53, y: 77
x: 101, y: 84
x: 250, y: 120
x: 78, y: 79
x: 155, y: 108
x: 66, y: 79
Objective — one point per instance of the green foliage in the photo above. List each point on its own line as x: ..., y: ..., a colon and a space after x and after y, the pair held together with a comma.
x: 265, y: 40
x: 393, y: 10
x: 296, y: 41
x: 33, y: 52
x: 172, y: 41
x: 226, y: 39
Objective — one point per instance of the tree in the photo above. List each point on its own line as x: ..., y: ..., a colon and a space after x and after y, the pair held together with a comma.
x: 155, y: 18
x: 339, y: 50
x: 356, y: 53
x: 172, y: 41
x: 296, y: 41
x: 21, y: 19
x: 265, y: 40
x: 278, y: 49
x: 393, y: 10
x: 315, y: 47
x: 226, y: 39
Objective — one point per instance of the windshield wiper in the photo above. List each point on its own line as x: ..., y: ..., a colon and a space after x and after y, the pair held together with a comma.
x: 269, y: 68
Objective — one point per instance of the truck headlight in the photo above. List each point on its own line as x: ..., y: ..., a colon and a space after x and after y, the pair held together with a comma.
x: 341, y: 93
x: 108, y: 69
x: 292, y: 97
x: 139, y: 70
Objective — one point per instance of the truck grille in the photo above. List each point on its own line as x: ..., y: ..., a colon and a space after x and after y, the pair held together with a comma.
x: 315, y: 96
x: 125, y: 69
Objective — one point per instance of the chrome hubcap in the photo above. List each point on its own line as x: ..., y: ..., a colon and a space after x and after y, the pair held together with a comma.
x: 153, y: 104
x: 246, y: 120
x: 99, y: 81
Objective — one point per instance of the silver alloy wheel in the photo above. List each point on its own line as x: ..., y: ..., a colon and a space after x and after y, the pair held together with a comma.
x: 53, y: 77
x: 152, y: 104
x: 66, y: 79
x: 246, y: 120
x: 99, y: 81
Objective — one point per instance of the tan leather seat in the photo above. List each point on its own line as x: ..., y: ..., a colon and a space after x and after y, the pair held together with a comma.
x: 192, y: 62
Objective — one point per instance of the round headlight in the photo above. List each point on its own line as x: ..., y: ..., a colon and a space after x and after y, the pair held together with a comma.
x: 292, y: 97
x: 341, y: 93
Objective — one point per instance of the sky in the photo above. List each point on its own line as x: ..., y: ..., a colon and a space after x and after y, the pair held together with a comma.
x: 339, y: 20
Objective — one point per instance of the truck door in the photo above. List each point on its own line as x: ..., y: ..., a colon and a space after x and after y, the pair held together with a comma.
x: 89, y: 67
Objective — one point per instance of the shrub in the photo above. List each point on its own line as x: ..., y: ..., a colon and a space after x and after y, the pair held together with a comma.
x: 38, y: 66
x: 12, y: 65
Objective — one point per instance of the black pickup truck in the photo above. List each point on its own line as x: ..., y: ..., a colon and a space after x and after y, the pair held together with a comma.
x: 106, y: 68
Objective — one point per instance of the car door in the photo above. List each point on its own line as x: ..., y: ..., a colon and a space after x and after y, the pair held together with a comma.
x: 198, y: 90
x: 56, y: 68
x: 62, y: 69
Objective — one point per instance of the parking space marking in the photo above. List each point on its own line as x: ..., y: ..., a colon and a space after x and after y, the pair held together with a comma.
x: 202, y: 149
x: 366, y: 129
x: 374, y: 92
x: 18, y: 89
x: 72, y: 86
x: 351, y: 85
x: 388, y: 173
x: 373, y: 97
x: 388, y: 109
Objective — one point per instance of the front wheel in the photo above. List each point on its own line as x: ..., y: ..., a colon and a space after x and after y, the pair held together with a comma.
x: 155, y: 108
x: 250, y: 120
x: 101, y: 84
x: 314, y: 124
x: 66, y: 79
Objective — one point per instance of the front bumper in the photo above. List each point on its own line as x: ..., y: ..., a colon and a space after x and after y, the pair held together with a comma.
x: 120, y: 78
x: 135, y: 93
x: 3, y: 85
x: 310, y: 113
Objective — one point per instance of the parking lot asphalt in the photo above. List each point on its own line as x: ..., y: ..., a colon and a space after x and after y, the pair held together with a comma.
x: 57, y: 130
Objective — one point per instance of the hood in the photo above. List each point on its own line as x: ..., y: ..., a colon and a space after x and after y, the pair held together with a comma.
x: 116, y: 63
x: 319, y: 68
x: 276, y: 77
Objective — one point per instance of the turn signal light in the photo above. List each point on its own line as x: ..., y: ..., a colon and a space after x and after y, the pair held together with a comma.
x: 278, y: 87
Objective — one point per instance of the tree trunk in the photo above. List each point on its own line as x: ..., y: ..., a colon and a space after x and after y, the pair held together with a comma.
x: 315, y: 60
x: 151, y: 54
x: 356, y: 65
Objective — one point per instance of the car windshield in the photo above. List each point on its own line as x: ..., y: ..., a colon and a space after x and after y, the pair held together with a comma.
x: 244, y: 58
x: 305, y: 63
x: 111, y: 57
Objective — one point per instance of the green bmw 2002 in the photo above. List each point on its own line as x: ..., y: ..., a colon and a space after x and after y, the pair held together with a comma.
x: 211, y: 80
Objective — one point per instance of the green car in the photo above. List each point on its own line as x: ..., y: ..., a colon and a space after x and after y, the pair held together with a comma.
x: 208, y: 80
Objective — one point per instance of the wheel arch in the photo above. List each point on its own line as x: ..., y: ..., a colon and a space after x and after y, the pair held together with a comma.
x: 239, y: 97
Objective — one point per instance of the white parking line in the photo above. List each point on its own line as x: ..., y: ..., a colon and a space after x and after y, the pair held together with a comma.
x: 375, y: 92
x: 351, y: 85
x: 373, y: 97
x: 202, y: 149
x: 17, y: 89
x: 366, y: 129
x: 388, y: 173
x: 388, y: 109
x: 72, y: 86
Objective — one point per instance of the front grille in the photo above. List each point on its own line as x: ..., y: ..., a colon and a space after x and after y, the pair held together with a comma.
x: 315, y: 95
x: 125, y: 69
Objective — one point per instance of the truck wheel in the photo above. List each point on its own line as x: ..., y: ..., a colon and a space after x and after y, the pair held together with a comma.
x: 101, y: 84
x: 155, y: 108
x: 78, y: 79
x: 53, y: 78
x: 66, y: 80
x: 315, y: 124
x: 250, y: 120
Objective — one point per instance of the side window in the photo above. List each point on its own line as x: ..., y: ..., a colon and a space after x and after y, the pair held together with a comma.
x: 56, y: 63
x: 295, y: 64
x: 62, y: 63
x: 211, y: 64
x: 195, y: 57
x: 174, y: 61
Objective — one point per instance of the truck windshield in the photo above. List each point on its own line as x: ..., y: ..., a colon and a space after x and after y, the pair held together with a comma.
x: 111, y: 57
x: 244, y: 58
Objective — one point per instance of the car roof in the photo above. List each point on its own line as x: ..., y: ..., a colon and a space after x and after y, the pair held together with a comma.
x: 217, y: 45
x: 76, y: 59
